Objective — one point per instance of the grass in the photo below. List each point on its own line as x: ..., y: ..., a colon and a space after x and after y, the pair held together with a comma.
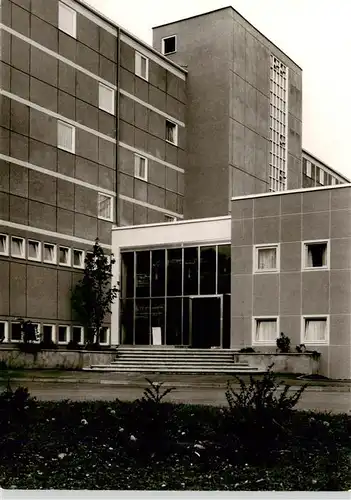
x: 131, y: 446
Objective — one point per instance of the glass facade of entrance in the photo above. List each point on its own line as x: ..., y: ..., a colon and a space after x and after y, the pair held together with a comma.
x: 158, y: 286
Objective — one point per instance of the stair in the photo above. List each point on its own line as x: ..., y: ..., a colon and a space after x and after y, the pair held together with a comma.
x: 170, y: 359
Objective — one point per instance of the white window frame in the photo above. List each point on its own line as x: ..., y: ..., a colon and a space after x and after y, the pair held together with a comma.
x: 304, y: 247
x: 68, y: 262
x: 82, y: 257
x: 73, y: 129
x: 137, y: 66
x: 110, y: 218
x: 303, y: 326
x: 54, y: 246
x: 64, y: 7
x: 6, y: 244
x: 68, y: 335
x: 255, y: 319
x: 175, y: 143
x: 53, y: 331
x: 81, y: 342
x: 38, y: 257
x: 10, y: 332
x: 171, y: 218
x: 308, y: 169
x: 23, y: 248
x: 175, y: 44
x: 108, y: 332
x: 109, y: 109
x: 136, y: 157
x: 266, y: 247
x: 6, y: 330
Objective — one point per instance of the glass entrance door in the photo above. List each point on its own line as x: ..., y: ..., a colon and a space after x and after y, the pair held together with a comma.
x: 206, y: 321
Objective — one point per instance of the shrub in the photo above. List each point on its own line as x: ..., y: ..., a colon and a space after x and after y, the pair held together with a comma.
x: 257, y: 416
x: 73, y: 345
x: 247, y: 349
x: 283, y: 343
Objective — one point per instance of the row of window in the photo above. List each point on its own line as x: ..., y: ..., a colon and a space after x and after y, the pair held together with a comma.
x: 314, y: 330
x: 318, y: 176
x: 60, y: 334
x: 315, y: 255
x: 38, y: 251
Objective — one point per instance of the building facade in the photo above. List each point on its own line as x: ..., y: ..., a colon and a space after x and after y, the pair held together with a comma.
x: 317, y: 173
x: 244, y: 110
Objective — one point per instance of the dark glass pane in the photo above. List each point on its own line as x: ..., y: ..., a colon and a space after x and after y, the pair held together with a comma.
x: 158, y: 316
x: 126, y: 321
x: 207, y: 270
x: 47, y: 333
x: 226, y: 321
x: 16, y: 331
x: 191, y: 271
x: 142, y: 323
x: 127, y: 274
x: 158, y: 273
x: 143, y: 274
x: 174, y: 271
x: 313, y: 171
x: 186, y: 326
x: 224, y: 267
x: 174, y: 321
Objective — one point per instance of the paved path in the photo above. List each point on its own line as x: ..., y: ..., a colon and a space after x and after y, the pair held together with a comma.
x: 326, y: 400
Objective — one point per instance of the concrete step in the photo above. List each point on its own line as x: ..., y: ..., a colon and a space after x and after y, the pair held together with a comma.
x: 137, y: 367
x: 172, y: 370
x: 176, y: 362
x: 167, y: 357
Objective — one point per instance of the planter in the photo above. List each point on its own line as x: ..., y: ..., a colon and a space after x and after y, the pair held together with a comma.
x: 306, y: 363
x: 51, y: 359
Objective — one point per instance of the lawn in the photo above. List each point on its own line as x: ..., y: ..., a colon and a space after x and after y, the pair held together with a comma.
x: 161, y: 446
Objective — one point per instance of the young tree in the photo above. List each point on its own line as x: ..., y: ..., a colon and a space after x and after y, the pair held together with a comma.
x: 93, y: 296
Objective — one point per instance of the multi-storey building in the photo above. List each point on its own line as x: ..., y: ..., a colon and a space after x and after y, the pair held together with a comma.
x: 244, y: 110
x: 92, y: 134
x: 317, y: 173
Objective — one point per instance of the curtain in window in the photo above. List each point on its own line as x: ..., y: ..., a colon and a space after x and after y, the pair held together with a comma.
x: 104, y: 206
x: 33, y: 249
x: 267, y: 258
x: 266, y: 330
x: 48, y: 253
x: 315, y: 330
x: 17, y: 246
x: 2, y: 244
x: 65, y: 136
x: 170, y: 133
x: 140, y: 167
x: 316, y: 255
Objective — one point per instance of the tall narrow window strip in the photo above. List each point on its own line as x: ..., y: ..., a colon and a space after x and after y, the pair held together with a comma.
x: 104, y: 206
x: 67, y: 20
x: 65, y: 136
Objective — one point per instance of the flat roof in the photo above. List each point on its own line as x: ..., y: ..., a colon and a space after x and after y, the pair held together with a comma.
x: 304, y: 151
x: 244, y: 18
x: 177, y: 222
x: 107, y: 19
x: 291, y: 191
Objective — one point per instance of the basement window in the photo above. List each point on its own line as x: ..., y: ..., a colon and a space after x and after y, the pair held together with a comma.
x: 104, y: 335
x: 169, y: 45
x: 49, y: 333
x: 316, y: 255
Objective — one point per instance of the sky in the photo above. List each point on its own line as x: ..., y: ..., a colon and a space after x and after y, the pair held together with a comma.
x: 316, y: 34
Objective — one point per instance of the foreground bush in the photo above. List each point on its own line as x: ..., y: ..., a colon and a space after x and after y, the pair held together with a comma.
x: 102, y: 445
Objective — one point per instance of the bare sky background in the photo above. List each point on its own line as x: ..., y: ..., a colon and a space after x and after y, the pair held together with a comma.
x: 316, y: 34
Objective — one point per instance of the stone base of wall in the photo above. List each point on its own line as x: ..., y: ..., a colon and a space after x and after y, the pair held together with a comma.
x: 297, y: 363
x: 54, y: 359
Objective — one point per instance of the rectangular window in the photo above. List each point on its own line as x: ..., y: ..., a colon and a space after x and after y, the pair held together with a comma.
x: 309, y: 169
x: 77, y: 334
x: 140, y: 167
x: 104, y: 338
x: 64, y: 256
x: 34, y: 250
x: 67, y: 20
x: 16, y: 332
x: 66, y: 136
x: 170, y: 218
x: 171, y: 132
x: 49, y: 333
x: 4, y: 333
x: 315, y: 330
x: 63, y: 334
x: 49, y: 254
x: 141, y: 66
x: 17, y: 247
x: 266, y: 258
x: 106, y: 99
x: 105, y: 206
x: 4, y: 244
x: 78, y: 259
x: 265, y: 331
x: 169, y: 45
x: 315, y: 254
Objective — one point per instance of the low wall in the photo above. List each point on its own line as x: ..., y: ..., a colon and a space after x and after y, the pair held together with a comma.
x: 52, y: 359
x: 283, y: 363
